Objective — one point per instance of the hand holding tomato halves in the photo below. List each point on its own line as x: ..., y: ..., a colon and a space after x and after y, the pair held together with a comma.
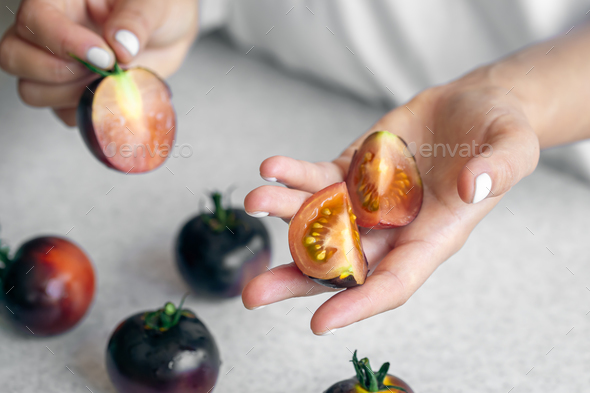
x: 401, y: 259
x: 383, y: 188
x: 367, y: 380
x: 168, y: 350
x: 48, y: 285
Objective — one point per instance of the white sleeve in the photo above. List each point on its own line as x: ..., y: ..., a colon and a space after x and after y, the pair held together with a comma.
x: 212, y: 14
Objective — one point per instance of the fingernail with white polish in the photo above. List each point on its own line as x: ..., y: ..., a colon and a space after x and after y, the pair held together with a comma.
x: 258, y: 308
x: 483, y: 186
x: 99, y: 57
x: 328, y: 332
x: 271, y: 179
x: 128, y: 40
x: 258, y: 214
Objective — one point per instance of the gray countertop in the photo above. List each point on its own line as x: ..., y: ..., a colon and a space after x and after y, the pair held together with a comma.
x: 509, y: 310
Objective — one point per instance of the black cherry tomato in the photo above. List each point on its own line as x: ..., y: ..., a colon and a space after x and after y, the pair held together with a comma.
x: 48, y: 285
x: 218, y: 253
x: 168, y: 350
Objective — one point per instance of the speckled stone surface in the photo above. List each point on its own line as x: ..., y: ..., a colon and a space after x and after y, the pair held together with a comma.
x: 509, y: 310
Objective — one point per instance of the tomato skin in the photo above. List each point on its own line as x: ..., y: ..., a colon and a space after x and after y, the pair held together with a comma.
x: 352, y: 386
x: 380, y: 201
x: 221, y: 264
x: 347, y: 386
x: 347, y: 282
x: 85, y: 126
x: 49, y: 284
x: 182, y: 359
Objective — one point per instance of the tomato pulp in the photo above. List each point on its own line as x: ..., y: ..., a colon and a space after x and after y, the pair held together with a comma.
x: 324, y: 239
x: 384, y: 182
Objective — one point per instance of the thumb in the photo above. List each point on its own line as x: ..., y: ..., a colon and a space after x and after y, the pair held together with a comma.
x: 509, y: 153
x: 130, y: 25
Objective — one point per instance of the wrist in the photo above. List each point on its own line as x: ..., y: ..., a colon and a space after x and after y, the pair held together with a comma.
x: 502, y: 82
x: 548, y: 81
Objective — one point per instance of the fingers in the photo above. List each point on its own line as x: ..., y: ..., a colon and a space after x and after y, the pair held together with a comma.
x: 274, y: 201
x: 287, y: 281
x: 280, y: 283
x: 512, y: 153
x: 302, y: 175
x: 163, y: 60
x: 400, y: 121
x: 312, y: 177
x: 130, y: 25
x: 65, y: 95
x: 47, y: 26
x: 67, y: 115
x: 24, y: 60
x: 396, y: 278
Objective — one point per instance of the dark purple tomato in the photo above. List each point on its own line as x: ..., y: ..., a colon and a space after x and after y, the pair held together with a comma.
x: 367, y: 380
x: 127, y: 119
x: 48, y: 285
x: 164, y: 351
x: 219, y: 253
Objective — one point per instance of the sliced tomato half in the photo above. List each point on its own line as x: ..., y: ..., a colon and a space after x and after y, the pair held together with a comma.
x: 128, y: 121
x: 384, y: 182
x: 325, y: 242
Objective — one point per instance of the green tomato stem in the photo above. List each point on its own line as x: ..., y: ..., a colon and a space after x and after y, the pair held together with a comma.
x: 166, y: 317
x: 220, y: 213
x: 4, y: 255
x: 222, y: 218
x: 6, y: 262
x: 369, y: 380
x: 116, y: 69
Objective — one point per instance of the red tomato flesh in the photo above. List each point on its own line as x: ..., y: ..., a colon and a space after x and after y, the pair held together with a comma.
x: 384, y: 182
x: 324, y: 239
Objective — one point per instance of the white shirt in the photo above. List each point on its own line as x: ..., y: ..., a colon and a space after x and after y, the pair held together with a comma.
x: 388, y: 51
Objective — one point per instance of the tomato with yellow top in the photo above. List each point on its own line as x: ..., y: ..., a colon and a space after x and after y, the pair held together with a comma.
x: 367, y: 380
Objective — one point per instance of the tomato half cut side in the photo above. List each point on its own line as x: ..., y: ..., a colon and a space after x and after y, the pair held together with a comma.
x: 128, y: 121
x: 384, y: 182
x: 324, y: 239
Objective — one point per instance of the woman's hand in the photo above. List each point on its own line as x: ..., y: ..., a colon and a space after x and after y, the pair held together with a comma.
x: 446, y: 125
x: 38, y: 47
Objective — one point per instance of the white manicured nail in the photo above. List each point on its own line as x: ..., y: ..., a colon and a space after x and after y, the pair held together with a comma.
x: 128, y: 40
x: 99, y: 57
x: 258, y: 308
x: 483, y: 186
x: 272, y: 179
x: 258, y: 214
x: 328, y: 333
